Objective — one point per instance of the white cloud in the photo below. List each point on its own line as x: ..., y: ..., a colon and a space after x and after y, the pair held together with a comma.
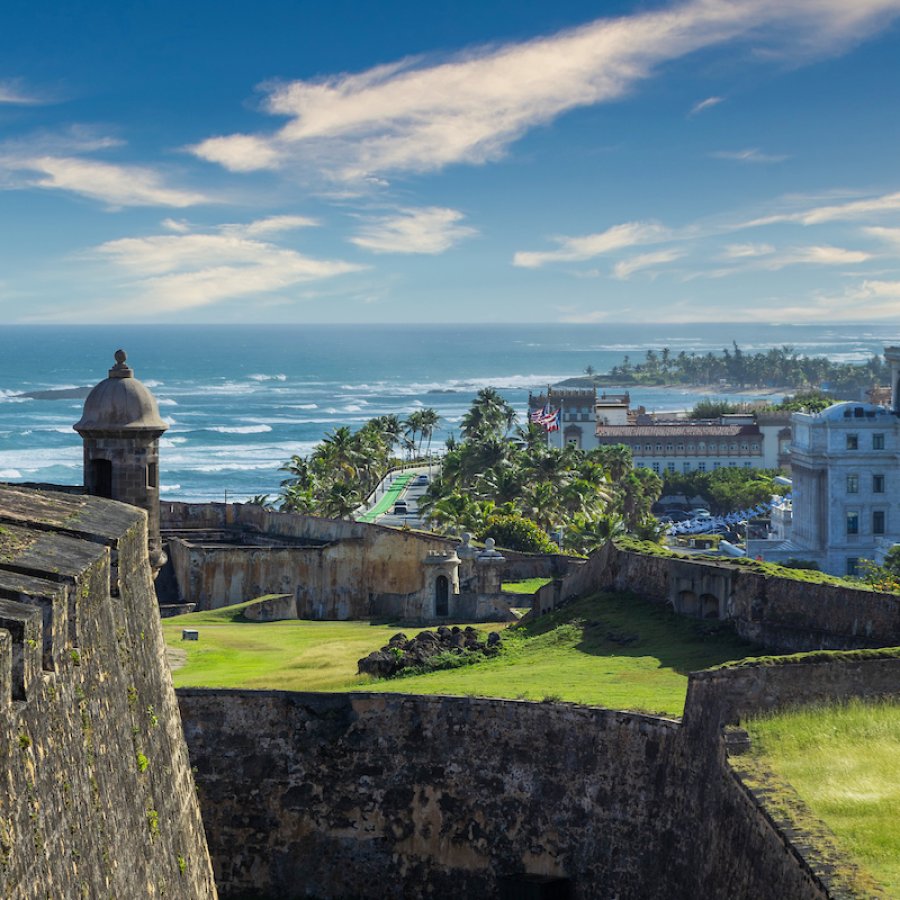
x: 813, y: 255
x: 112, y: 184
x: 183, y: 271
x: 13, y: 91
x: 869, y: 300
x: 578, y: 249
x: 702, y: 105
x: 412, y: 116
x: 751, y: 155
x: 834, y: 212
x: 275, y: 225
x: 431, y: 229
x: 745, y: 251
x: 180, y: 226
x: 625, y: 268
x: 889, y: 235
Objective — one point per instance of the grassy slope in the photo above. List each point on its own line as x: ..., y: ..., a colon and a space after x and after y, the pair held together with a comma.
x: 611, y: 650
x: 526, y: 586
x: 844, y: 762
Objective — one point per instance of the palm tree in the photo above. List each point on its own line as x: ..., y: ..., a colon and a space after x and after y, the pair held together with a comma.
x: 490, y: 414
x: 340, y: 501
x: 428, y: 419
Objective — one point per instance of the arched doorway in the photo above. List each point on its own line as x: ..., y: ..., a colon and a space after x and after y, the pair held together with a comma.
x: 441, y: 596
x: 709, y: 606
x: 687, y: 603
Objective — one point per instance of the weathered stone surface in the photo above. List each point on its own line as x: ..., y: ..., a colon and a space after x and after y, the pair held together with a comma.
x: 399, y: 653
x: 272, y: 609
x: 384, y: 795
x: 98, y: 796
x: 778, y: 613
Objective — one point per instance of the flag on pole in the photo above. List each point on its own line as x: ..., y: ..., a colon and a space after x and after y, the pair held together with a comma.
x: 552, y: 423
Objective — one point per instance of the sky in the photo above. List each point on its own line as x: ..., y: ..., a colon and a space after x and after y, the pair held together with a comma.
x: 511, y: 160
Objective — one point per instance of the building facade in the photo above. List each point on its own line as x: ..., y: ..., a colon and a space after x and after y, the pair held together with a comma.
x: 686, y: 447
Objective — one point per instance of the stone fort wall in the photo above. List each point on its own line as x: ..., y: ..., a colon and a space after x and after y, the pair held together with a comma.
x: 392, y: 796
x: 779, y: 613
x: 98, y: 797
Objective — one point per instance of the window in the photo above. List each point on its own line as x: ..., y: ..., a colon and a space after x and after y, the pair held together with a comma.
x: 852, y: 523
x: 153, y: 475
x: 877, y: 521
x: 690, y: 448
x: 732, y: 464
x: 745, y: 447
x: 686, y: 467
x: 648, y: 447
x: 878, y: 484
x: 853, y: 484
x: 659, y: 448
x: 853, y: 442
x: 656, y: 467
x: 754, y: 448
x: 878, y: 442
x: 668, y: 446
x: 716, y: 464
x: 701, y: 466
x: 747, y: 465
x: 681, y: 448
x: 670, y: 467
x: 852, y: 565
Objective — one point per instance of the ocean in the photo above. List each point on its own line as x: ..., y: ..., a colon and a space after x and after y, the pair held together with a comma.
x: 240, y: 400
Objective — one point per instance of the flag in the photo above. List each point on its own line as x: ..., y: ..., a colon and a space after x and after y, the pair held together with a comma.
x: 540, y: 416
x: 552, y: 421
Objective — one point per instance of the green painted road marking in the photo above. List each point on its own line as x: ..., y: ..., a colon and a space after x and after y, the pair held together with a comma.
x: 388, y: 500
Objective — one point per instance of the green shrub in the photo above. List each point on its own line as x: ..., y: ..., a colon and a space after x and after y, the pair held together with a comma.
x: 517, y: 533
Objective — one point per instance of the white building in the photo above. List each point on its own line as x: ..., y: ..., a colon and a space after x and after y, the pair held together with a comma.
x: 845, y: 467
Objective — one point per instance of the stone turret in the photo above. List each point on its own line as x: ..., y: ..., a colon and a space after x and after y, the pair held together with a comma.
x: 121, y: 427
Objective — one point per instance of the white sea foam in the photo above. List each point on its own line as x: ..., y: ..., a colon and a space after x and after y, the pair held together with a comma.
x: 152, y: 384
x: 169, y: 488
x: 269, y: 377
x: 303, y: 406
x: 240, y: 429
x: 166, y: 401
x: 10, y: 473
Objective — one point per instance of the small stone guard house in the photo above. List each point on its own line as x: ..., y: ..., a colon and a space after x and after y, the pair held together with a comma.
x: 121, y: 428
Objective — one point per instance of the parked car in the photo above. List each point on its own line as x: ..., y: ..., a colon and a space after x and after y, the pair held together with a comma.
x: 400, y: 508
x: 421, y: 479
x: 678, y: 515
x: 701, y: 513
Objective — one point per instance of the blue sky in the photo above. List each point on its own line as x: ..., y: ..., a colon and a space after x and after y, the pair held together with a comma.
x: 398, y: 161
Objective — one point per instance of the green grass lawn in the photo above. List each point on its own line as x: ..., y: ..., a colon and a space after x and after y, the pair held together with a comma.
x: 526, y: 586
x: 612, y: 650
x: 844, y: 762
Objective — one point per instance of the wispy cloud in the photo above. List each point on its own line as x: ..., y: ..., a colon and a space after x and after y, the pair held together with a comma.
x: 13, y: 91
x: 833, y: 212
x: 431, y: 229
x: 747, y: 251
x: 625, y: 268
x: 702, y: 105
x: 115, y: 185
x: 751, y: 155
x: 414, y: 116
x: 578, y: 249
x: 184, y: 271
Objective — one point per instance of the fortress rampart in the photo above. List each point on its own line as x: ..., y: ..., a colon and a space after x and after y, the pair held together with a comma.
x: 98, y: 796
x: 393, y: 796
x: 779, y: 613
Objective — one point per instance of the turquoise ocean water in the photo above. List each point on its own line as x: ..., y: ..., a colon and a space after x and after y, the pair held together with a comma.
x: 240, y: 400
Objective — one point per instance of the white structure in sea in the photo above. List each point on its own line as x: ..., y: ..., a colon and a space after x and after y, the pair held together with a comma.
x: 845, y: 467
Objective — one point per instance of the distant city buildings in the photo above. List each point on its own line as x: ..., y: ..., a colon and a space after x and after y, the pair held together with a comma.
x: 846, y: 479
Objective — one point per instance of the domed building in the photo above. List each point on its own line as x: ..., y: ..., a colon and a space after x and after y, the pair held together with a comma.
x: 121, y: 427
x: 845, y: 467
